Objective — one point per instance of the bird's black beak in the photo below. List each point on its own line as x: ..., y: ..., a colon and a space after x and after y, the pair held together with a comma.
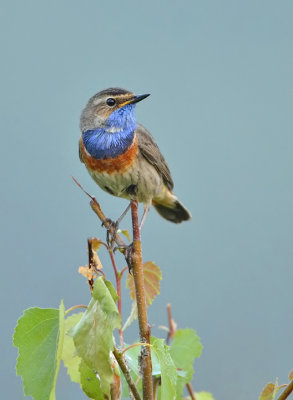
x: 135, y: 99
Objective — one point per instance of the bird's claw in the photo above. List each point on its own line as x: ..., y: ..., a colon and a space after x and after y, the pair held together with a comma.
x: 112, y: 228
x: 128, y: 257
x: 127, y: 250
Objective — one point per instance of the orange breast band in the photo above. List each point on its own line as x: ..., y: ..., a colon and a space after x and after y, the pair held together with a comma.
x: 110, y: 165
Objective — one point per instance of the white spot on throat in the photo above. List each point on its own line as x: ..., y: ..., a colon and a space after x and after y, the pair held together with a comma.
x: 113, y: 129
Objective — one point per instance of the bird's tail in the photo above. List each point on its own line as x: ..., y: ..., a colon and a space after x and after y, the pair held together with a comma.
x: 170, y: 208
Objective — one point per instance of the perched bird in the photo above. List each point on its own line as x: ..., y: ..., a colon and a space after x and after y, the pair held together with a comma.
x: 122, y: 156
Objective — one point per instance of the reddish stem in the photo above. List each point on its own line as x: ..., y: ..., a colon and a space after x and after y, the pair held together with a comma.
x: 134, y: 345
x: 172, y: 324
x: 123, y: 270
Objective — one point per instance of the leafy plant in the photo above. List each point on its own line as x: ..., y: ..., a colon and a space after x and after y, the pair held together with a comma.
x: 150, y: 369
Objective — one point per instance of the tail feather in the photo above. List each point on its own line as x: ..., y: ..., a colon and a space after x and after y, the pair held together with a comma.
x: 172, y: 210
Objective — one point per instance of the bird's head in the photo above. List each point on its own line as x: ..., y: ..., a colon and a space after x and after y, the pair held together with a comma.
x: 111, y: 109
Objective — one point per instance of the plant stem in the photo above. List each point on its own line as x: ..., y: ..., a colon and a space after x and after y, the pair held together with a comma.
x: 190, y: 391
x: 145, y: 360
x: 98, y: 211
x: 286, y: 392
x: 91, y: 261
x: 74, y: 308
x: 172, y: 324
x: 124, y: 369
x: 135, y: 345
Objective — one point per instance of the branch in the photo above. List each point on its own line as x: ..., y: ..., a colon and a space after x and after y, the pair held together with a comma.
x: 190, y: 391
x: 91, y: 262
x: 286, y: 391
x: 145, y: 360
x: 124, y: 369
x: 106, y: 222
x: 172, y: 324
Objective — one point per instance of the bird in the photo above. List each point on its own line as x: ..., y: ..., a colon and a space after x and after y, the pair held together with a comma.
x: 122, y: 157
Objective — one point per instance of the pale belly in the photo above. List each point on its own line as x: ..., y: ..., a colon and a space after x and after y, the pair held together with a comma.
x: 139, y: 182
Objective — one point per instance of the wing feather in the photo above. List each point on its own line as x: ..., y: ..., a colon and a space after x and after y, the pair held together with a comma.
x: 79, y: 150
x: 151, y: 152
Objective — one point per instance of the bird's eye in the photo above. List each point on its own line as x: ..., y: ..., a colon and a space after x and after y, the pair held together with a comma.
x: 111, y: 102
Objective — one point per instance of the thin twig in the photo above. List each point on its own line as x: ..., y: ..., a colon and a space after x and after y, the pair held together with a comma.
x: 74, y: 308
x: 91, y: 262
x: 134, y: 345
x: 190, y: 391
x: 123, y: 270
x: 98, y: 211
x: 126, y: 373
x: 145, y: 360
x: 286, y: 392
x: 172, y: 324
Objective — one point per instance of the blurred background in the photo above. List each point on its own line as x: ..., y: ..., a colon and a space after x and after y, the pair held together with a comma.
x: 220, y: 78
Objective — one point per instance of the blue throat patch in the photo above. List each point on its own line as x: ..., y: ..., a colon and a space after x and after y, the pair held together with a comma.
x: 102, y: 143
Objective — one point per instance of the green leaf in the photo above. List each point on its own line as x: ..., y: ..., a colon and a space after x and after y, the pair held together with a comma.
x: 203, y: 396
x: 61, y: 335
x: 69, y: 356
x: 39, y: 337
x: 162, y: 364
x: 132, y: 316
x: 89, y: 382
x: 168, y: 369
x: 132, y: 355
x: 270, y: 391
x: 93, y: 335
x: 184, y: 349
x: 112, y: 290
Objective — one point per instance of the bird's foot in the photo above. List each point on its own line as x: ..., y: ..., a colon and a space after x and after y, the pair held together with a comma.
x: 127, y: 250
x: 128, y: 257
x: 112, y: 228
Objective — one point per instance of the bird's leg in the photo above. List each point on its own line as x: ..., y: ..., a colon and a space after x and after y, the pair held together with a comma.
x: 145, y: 213
x: 113, y: 226
x: 129, y: 249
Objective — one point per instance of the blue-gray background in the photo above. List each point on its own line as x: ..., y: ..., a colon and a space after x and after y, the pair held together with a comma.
x: 220, y: 75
